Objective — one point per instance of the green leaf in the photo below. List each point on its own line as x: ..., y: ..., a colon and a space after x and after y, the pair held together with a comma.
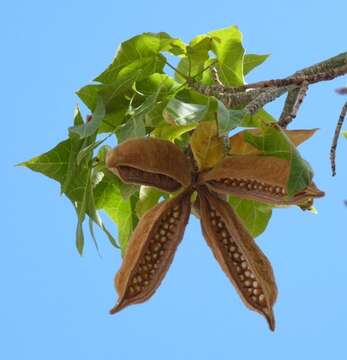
x: 108, y: 198
x: 254, y: 215
x: 251, y: 61
x: 134, y: 127
x: 91, y: 127
x: 258, y: 119
x: 160, y: 84
x: 181, y: 113
x: 171, y: 132
x: 228, y: 119
x: 274, y: 142
x: 148, y: 198
x: 197, y: 54
x: 227, y: 45
x: 141, y: 52
x: 344, y: 133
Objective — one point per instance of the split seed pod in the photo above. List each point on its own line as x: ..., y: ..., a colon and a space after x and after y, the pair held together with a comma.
x: 150, y: 250
x: 238, y: 255
x: 152, y: 162
x: 262, y: 178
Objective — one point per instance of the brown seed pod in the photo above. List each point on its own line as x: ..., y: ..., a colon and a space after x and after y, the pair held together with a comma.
x: 152, y: 162
x: 239, y: 256
x: 262, y: 178
x: 150, y: 251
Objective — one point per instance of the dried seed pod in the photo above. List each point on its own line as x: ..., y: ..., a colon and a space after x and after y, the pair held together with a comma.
x: 262, y: 178
x: 239, y: 256
x: 152, y: 162
x: 151, y: 250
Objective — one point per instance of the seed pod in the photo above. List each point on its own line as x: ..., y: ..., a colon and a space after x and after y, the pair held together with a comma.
x: 239, y: 256
x: 150, y: 251
x: 262, y: 178
x: 152, y: 162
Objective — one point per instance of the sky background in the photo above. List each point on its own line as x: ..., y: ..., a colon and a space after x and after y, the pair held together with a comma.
x: 54, y: 304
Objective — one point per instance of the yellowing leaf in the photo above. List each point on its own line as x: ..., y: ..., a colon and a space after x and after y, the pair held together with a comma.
x: 239, y: 146
x: 208, y: 148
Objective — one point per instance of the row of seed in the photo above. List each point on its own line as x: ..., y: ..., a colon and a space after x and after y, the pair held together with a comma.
x: 239, y: 264
x: 155, y: 251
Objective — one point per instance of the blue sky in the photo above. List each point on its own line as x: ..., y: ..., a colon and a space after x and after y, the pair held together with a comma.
x: 55, y: 304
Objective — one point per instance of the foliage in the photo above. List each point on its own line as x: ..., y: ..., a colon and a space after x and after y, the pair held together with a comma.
x: 138, y: 96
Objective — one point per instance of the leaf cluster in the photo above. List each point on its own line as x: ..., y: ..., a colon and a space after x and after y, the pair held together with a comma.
x: 140, y: 95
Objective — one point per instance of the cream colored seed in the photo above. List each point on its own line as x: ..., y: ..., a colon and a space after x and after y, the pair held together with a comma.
x: 244, y: 265
x: 162, y: 232
x: 232, y: 248
x: 249, y: 186
x: 252, y: 276
x: 256, y: 291
x: 176, y: 214
x: 139, y: 278
x: 166, y: 226
x: 270, y: 188
x: 225, y: 241
x: 172, y: 220
x: 234, y: 183
x: 224, y: 234
x: 236, y: 256
x: 255, y: 284
x: 220, y: 225
x: 260, y: 187
x: 163, y: 239
x: 247, y: 283
x: 247, y: 273
x: 254, y: 298
x: 242, y: 184
x: 212, y: 214
x: 145, y: 283
x: 261, y: 298
x: 156, y: 236
x: 131, y: 290
x: 242, y: 277
x: 171, y: 227
x: 148, y: 257
x: 242, y: 257
x: 249, y: 290
x: 238, y: 270
x: 155, y: 256
x: 214, y: 222
x: 161, y: 252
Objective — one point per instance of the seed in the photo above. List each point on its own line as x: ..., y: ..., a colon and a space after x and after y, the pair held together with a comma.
x: 156, y: 236
x: 163, y: 239
x: 256, y: 291
x: 247, y: 273
x: 255, y: 284
x: 232, y: 248
x: 148, y: 258
x: 131, y: 290
x: 254, y: 298
x: 161, y: 252
x: 165, y: 226
x: 247, y: 283
x: 145, y: 283
x: 244, y: 265
x: 176, y: 214
x: 236, y: 256
x: 139, y: 278
x: 224, y: 234
x: 261, y: 298
x: 162, y: 232
x: 220, y: 224
x: 270, y: 188
x: 214, y: 222
x: 242, y: 184
x: 172, y: 220
x: 212, y: 213
x: 238, y: 269
x: 154, y: 256
x: 234, y: 183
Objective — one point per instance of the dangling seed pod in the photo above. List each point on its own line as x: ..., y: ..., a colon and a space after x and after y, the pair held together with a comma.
x: 152, y: 162
x: 239, y: 256
x: 150, y: 251
x: 262, y: 178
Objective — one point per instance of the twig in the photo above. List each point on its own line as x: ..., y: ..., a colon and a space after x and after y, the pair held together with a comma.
x: 299, y: 98
x: 215, y: 76
x: 336, y: 138
x: 264, y: 98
